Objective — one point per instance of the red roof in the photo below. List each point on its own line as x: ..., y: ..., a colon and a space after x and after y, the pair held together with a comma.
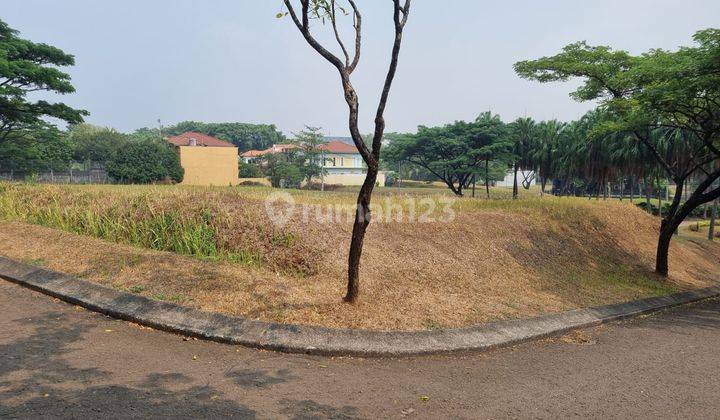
x: 254, y: 153
x: 276, y: 148
x: 333, y: 146
x: 337, y: 146
x: 185, y: 139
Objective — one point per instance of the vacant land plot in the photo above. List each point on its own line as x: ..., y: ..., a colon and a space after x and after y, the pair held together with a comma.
x: 219, y: 250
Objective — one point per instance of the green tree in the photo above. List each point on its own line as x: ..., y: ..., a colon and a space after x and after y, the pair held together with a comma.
x: 94, y: 144
x: 27, y: 67
x: 312, y: 157
x: 495, y: 147
x: 659, y: 89
x: 249, y: 170
x: 523, y: 133
x: 145, y: 161
x: 455, y: 153
x: 284, y: 170
x: 543, y: 154
x: 244, y: 136
x: 37, y: 149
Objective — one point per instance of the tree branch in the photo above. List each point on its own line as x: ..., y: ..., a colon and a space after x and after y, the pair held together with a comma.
x: 357, y: 24
x: 337, y: 35
x: 379, y: 119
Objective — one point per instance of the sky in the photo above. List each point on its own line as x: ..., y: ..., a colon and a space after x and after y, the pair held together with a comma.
x: 138, y: 61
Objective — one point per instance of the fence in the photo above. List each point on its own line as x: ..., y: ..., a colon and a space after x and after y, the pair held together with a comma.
x: 71, y: 176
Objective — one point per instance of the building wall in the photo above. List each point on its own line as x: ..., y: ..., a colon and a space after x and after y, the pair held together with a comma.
x: 343, y: 160
x: 509, y: 179
x: 209, y: 165
x: 351, y: 179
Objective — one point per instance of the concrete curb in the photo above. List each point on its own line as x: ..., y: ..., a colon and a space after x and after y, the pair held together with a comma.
x: 319, y: 340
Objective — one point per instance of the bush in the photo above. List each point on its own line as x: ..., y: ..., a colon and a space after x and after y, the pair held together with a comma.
x: 286, y: 175
x: 144, y: 162
x: 249, y: 170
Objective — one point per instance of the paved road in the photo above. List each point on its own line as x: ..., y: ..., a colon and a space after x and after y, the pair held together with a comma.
x: 60, y: 360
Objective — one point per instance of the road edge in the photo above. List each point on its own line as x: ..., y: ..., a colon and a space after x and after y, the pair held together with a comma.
x: 179, y: 319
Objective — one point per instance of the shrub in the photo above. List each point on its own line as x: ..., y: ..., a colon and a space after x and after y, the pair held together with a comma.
x: 249, y: 170
x: 284, y: 174
x: 145, y: 161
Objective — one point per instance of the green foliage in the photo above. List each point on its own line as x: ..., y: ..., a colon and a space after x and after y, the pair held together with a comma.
x: 145, y: 161
x: 34, y: 150
x: 244, y: 136
x: 95, y: 144
x: 677, y: 90
x: 29, y: 67
x: 249, y: 170
x: 310, y: 157
x: 455, y: 153
x: 284, y: 173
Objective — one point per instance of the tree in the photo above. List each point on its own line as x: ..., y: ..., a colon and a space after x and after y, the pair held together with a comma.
x: 27, y: 67
x: 455, y: 153
x: 244, y: 136
x: 543, y: 154
x: 523, y: 135
x: 659, y: 89
x: 95, y: 144
x: 36, y: 149
x: 310, y: 141
x: 284, y: 171
x: 447, y: 152
x: 326, y: 10
x: 249, y: 170
x: 145, y: 161
x: 495, y: 145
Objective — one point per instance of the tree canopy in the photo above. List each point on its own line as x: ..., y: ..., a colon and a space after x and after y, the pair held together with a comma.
x: 145, y: 161
x: 454, y: 153
x: 668, y: 101
x: 243, y: 135
x: 27, y: 67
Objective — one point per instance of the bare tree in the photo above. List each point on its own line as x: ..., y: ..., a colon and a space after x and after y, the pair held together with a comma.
x: 326, y: 10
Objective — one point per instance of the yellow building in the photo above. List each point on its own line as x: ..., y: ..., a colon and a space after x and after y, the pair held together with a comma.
x: 206, y: 160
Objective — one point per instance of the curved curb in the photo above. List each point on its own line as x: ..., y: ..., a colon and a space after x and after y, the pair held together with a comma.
x: 320, y: 340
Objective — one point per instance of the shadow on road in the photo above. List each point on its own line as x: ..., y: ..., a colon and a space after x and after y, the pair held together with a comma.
x: 36, y: 380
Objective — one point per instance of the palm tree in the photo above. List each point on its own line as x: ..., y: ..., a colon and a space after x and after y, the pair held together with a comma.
x: 523, y: 134
x: 545, y: 148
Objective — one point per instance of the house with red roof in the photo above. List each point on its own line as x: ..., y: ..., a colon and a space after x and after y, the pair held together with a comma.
x: 206, y: 160
x: 342, y: 162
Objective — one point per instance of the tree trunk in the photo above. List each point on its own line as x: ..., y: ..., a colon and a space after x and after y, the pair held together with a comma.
x: 487, y: 178
x: 632, y: 189
x: 543, y: 182
x: 362, y: 220
x: 515, y: 184
x: 713, y: 217
x: 663, y: 247
x: 677, y: 213
x: 473, y: 186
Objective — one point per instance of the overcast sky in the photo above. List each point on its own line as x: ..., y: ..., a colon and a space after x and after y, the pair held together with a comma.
x: 232, y: 60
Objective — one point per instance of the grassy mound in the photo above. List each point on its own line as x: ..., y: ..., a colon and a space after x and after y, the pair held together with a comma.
x: 495, y: 259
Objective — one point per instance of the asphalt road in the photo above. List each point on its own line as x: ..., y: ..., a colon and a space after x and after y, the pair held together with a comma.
x: 58, y: 360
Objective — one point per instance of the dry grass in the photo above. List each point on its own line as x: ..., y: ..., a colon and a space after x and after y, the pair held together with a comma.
x: 496, y: 260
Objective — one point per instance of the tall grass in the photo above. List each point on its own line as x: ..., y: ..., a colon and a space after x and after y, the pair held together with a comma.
x: 180, y: 224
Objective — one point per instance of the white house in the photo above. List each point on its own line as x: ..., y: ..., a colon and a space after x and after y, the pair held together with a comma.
x: 521, y: 175
x: 342, y: 163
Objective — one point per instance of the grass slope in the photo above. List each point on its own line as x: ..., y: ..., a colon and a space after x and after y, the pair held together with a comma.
x: 496, y: 259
